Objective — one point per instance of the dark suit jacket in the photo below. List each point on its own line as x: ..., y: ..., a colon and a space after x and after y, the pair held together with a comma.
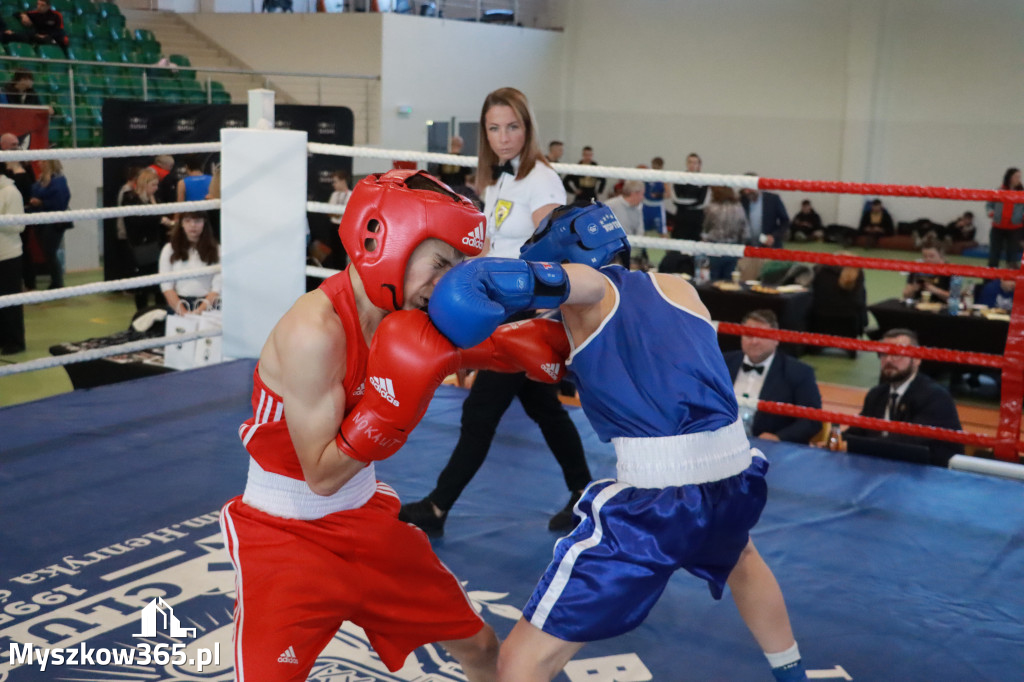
x: 925, y: 402
x: 788, y: 381
x: 774, y: 219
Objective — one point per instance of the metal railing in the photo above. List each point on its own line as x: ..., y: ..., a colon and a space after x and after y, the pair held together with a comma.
x: 75, y: 90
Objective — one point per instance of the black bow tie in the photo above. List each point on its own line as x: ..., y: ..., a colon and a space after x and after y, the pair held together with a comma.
x: 499, y: 168
x: 753, y: 368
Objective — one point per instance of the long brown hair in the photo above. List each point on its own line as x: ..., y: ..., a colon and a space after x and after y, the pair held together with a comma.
x: 531, y: 153
x: 206, y: 246
x: 48, y: 169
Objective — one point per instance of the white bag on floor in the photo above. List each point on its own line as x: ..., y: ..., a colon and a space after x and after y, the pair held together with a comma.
x: 208, y: 350
x: 181, y: 355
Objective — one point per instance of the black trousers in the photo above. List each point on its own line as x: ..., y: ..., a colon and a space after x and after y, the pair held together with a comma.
x: 12, y: 319
x: 490, y: 397
x: 1008, y: 241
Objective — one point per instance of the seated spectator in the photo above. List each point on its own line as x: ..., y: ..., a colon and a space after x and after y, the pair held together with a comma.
x: 961, y: 230
x: 146, y: 235
x: 20, y: 90
x: 997, y: 293
x: 761, y: 372
x: 903, y: 394
x: 50, y: 193
x: 6, y: 34
x: 191, y: 245
x: 806, y: 224
x: 44, y: 26
x: 876, y: 223
x: 936, y: 286
x: 725, y: 222
x: 628, y: 208
x: 839, y: 306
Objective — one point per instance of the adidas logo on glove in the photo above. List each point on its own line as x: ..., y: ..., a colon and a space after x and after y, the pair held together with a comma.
x: 551, y: 369
x: 475, y: 238
x: 385, y: 388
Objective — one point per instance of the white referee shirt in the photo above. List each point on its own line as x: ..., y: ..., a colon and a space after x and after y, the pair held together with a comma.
x: 509, y: 205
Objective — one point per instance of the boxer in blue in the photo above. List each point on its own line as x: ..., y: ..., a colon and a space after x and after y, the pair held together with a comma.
x: 689, y: 487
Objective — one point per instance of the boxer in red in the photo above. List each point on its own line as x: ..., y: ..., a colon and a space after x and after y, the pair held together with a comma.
x: 343, y: 378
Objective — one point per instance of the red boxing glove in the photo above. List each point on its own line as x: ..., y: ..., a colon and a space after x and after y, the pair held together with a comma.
x: 408, y: 360
x: 538, y: 347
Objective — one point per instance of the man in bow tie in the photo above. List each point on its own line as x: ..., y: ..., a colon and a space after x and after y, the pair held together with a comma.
x: 760, y: 372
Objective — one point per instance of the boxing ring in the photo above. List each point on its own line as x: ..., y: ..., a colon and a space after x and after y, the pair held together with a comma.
x: 110, y: 497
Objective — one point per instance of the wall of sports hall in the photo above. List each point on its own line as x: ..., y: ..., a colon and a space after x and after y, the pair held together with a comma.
x: 893, y: 91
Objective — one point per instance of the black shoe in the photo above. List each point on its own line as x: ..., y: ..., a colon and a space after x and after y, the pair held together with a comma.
x: 12, y: 349
x: 421, y: 514
x: 565, y: 520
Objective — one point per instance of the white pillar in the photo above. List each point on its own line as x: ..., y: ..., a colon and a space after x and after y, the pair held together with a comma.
x: 263, y: 231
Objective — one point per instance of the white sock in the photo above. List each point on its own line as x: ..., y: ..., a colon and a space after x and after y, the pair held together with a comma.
x: 790, y: 655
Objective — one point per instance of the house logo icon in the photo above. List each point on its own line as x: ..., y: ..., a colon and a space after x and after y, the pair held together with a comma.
x: 159, y: 609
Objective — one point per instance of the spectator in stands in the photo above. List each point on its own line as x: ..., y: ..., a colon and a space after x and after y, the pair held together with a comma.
x: 904, y: 394
x: 839, y: 305
x: 12, y: 318
x: 876, y: 223
x: 50, y: 193
x: 937, y: 286
x: 454, y: 175
x: 585, y: 187
x: 146, y: 235
x: 44, y: 26
x: 769, y: 221
x: 627, y: 208
x: 997, y: 293
x: 162, y: 165
x: 6, y: 34
x: 191, y: 245
x: 724, y: 223
x: 555, y: 151
x: 1007, y: 224
x: 196, y: 184
x: 807, y: 224
x: 20, y: 90
x: 19, y: 171
x: 655, y: 194
x: 960, y: 230
x: 761, y: 372
x: 687, y: 219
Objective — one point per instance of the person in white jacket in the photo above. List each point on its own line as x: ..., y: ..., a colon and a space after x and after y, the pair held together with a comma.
x: 12, y: 319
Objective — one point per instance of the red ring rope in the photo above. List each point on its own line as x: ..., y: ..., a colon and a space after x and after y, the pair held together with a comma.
x: 833, y: 187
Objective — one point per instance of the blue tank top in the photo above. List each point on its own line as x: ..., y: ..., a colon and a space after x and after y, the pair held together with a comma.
x: 654, y: 191
x: 196, y: 187
x: 653, y: 368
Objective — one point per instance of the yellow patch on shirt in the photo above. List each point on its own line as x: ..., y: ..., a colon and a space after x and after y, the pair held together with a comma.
x: 501, y: 211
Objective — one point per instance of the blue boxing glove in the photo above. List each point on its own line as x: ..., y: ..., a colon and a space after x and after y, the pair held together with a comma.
x: 476, y: 296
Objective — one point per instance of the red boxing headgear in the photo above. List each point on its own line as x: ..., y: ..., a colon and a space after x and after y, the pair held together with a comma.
x: 390, y: 214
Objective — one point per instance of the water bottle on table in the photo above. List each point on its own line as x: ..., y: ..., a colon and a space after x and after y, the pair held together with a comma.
x: 956, y: 285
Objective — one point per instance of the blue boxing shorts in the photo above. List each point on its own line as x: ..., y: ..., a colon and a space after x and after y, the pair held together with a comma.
x: 607, y: 574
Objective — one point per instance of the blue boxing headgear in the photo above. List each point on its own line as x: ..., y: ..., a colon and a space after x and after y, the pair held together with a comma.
x: 585, y: 233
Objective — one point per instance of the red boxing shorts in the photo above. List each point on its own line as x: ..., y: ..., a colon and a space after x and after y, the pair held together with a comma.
x: 297, y: 581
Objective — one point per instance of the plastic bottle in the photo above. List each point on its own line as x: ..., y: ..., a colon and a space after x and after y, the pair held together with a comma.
x: 835, y: 439
x: 702, y: 269
x: 956, y: 285
x: 968, y: 297
x: 746, y: 413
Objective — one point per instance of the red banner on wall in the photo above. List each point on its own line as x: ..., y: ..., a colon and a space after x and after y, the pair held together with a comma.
x: 31, y: 124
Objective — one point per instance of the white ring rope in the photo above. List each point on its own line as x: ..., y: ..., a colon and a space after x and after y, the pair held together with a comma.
x: 109, y: 152
x: 97, y: 353
x: 321, y: 207
x: 47, y: 217
x: 322, y: 273
x: 29, y: 297
x: 612, y: 172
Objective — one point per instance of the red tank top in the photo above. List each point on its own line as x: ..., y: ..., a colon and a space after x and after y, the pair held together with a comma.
x: 265, y: 434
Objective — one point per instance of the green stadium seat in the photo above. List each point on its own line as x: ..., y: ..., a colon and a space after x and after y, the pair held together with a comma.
x: 108, y: 9
x: 220, y: 97
x: 79, y: 33
x: 144, y: 35
x: 51, y: 52
x: 85, y: 8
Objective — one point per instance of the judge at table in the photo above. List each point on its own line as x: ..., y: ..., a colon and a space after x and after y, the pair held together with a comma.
x: 936, y: 285
x: 761, y: 372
